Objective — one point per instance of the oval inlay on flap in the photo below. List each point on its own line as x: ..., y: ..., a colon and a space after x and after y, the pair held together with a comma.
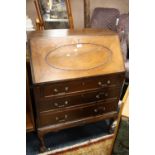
x: 80, y: 56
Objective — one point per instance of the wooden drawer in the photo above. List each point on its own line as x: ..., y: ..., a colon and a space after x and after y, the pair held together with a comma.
x: 81, y: 98
x: 51, y: 118
x: 66, y: 87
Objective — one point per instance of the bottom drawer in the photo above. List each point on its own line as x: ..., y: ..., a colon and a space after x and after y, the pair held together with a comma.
x: 51, y: 118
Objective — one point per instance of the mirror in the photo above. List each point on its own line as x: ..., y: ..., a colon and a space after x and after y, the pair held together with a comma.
x: 54, y: 14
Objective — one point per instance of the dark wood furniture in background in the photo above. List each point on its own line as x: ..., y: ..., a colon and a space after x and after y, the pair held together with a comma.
x: 30, y: 126
x: 30, y: 123
x: 77, y: 78
x: 86, y: 13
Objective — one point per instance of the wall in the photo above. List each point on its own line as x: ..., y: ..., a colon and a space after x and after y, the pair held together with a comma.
x: 78, y: 9
x: 78, y: 13
x: 31, y: 11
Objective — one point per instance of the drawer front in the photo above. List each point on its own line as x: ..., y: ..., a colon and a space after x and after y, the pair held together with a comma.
x: 67, y: 87
x: 51, y: 118
x: 82, y: 98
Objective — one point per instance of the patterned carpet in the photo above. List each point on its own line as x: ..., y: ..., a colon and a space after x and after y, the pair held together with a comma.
x: 97, y: 146
x: 67, y: 137
x: 121, y: 146
x: 81, y: 135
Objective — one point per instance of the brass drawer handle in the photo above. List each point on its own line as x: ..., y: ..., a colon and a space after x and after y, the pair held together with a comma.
x: 61, y: 119
x: 59, y: 106
x: 56, y: 104
x: 99, y: 109
x: 101, y: 94
x: 102, y: 84
x: 95, y: 110
x: 98, y: 96
x: 108, y: 82
x: 61, y: 93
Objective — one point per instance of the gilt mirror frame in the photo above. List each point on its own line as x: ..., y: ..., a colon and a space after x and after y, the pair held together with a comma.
x: 53, y: 14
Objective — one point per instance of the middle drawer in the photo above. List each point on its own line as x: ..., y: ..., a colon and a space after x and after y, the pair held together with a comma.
x: 75, y: 114
x: 80, y: 98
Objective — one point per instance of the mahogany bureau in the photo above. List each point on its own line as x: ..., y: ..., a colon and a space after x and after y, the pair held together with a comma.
x: 77, y: 78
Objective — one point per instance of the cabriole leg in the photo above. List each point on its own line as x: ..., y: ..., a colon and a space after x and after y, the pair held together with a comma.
x: 42, y: 143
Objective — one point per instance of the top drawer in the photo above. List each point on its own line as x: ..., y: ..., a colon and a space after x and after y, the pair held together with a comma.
x: 83, y: 84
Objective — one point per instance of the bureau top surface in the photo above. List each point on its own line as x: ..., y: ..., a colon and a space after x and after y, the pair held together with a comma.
x: 68, y: 54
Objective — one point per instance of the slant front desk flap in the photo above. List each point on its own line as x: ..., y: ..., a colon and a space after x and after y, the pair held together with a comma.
x: 66, y: 54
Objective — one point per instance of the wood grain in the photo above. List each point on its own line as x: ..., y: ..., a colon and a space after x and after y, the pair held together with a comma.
x: 67, y: 98
x: 41, y: 46
x: 69, y: 12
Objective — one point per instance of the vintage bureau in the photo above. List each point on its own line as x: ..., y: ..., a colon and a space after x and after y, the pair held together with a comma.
x: 77, y: 78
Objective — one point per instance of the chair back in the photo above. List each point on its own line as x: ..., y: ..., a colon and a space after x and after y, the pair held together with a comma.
x: 105, y: 18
